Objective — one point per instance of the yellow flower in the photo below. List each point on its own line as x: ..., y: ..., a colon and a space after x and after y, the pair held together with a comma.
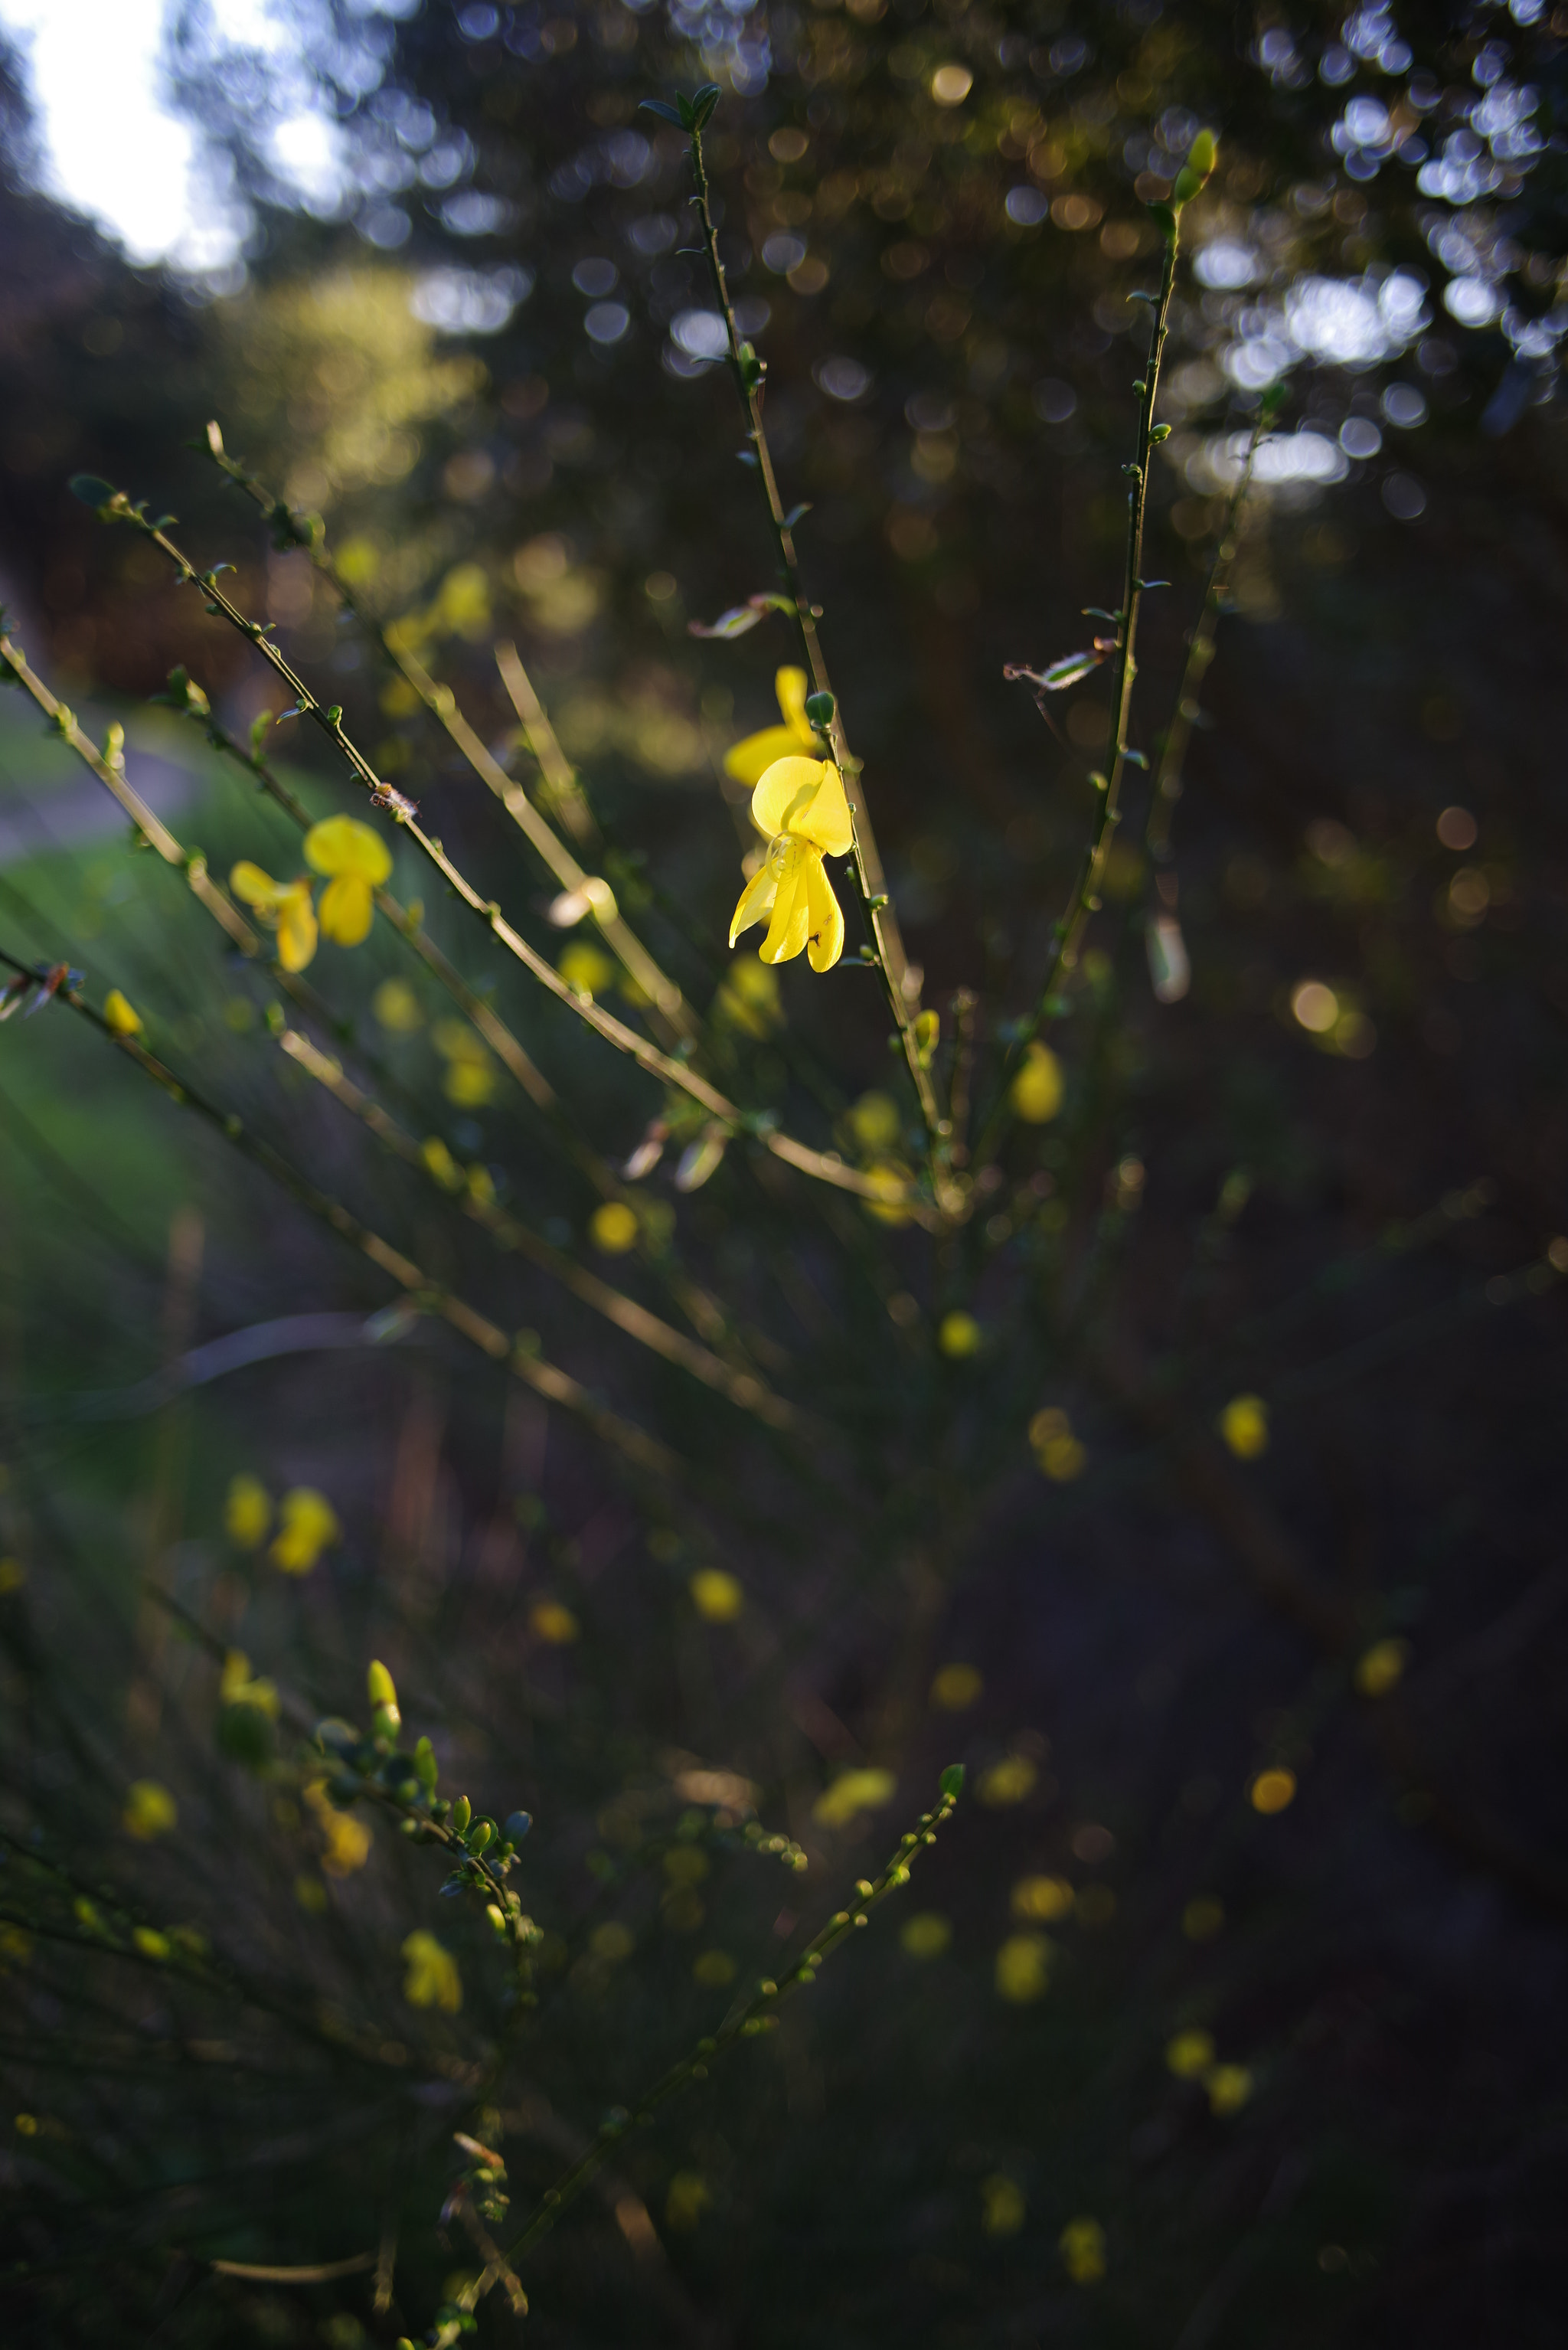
x: 309, y: 1523
x: 854, y: 1793
x: 613, y: 1227
x: 1272, y: 1790
x: 959, y: 1335
x: 1189, y: 2055
x: 716, y: 1596
x: 237, y: 1688
x: 1037, y: 1087
x: 1244, y: 1425
x: 1023, y: 1967
x: 747, y: 762
x: 926, y: 1934
x: 549, y: 1621
x: 247, y: 1512
x: 121, y: 1014
x: 1228, y: 2087
x: 433, y: 1979
x: 346, y: 1838
x: 800, y: 809
x: 149, y: 1810
x: 397, y: 1007
x: 955, y: 1687
x: 1055, y: 1446
x: 283, y: 906
x: 1081, y: 2243
x: 587, y: 966
x: 1005, y: 2210
x: 1044, y: 1898
x: 1008, y: 1782
x: 471, y: 1072
x: 358, y: 861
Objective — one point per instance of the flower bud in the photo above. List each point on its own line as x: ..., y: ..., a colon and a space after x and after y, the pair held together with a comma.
x: 516, y: 1826
x: 461, y: 1813
x: 1194, y: 174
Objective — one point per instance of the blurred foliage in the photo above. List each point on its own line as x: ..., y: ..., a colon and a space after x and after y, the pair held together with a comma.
x: 1199, y: 1487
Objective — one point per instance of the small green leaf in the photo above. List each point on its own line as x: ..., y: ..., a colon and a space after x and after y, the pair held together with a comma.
x: 951, y: 1780
x: 1160, y: 432
x: 380, y: 1686
x: 335, y: 715
x: 92, y: 489
x: 425, y: 1764
x: 665, y: 113
x: 703, y: 101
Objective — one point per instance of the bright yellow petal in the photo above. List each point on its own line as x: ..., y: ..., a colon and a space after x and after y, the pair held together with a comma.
x: 826, y: 942
x: 256, y: 888
x: 784, y: 794
x: 295, y: 926
x: 790, y: 924
x: 791, y: 686
x: 346, y: 910
x: 756, y: 901
x: 341, y: 844
x: 747, y: 762
x: 826, y: 823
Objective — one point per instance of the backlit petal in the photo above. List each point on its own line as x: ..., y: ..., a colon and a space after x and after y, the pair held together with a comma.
x: 750, y: 760
x: 295, y: 926
x: 784, y: 793
x: 256, y: 888
x: 346, y: 910
x: 826, y: 821
x: 341, y: 844
x: 826, y: 943
x: 791, y: 686
x: 791, y: 923
x: 756, y: 901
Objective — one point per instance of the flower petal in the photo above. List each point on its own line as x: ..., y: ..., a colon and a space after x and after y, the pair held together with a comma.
x: 295, y: 926
x: 791, y: 923
x: 826, y: 942
x: 791, y: 686
x: 784, y: 794
x: 747, y: 762
x: 346, y: 910
x: 341, y: 844
x: 256, y: 888
x: 756, y: 899
x: 825, y: 823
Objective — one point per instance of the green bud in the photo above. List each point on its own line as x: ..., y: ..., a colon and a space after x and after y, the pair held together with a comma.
x: 378, y: 1686
x: 1194, y: 174
x: 819, y: 709
x: 425, y: 1764
x: 951, y: 1780
x: 516, y: 1826
x: 479, y: 1834
x: 335, y: 715
x: 461, y: 1813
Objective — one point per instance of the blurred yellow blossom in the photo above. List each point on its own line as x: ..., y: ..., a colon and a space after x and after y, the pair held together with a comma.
x: 875, y: 1121
x: 283, y: 906
x: 1042, y: 1897
x: 1037, y: 1087
x: 440, y: 1162
x: 16, y: 1946
x: 716, y: 1596
x: 397, y: 1007
x: 891, y: 1181
x: 587, y: 966
x: 612, y: 1942
x: 1228, y: 2087
x: 747, y: 762
x: 1189, y: 2054
x: 13, y: 1575
x: 926, y: 1935
x: 800, y: 810
x: 235, y: 1686
x: 1272, y: 1790
x: 613, y: 1228
x: 121, y: 1014
x: 686, y: 2199
x: 549, y: 1621
x: 959, y: 1335
x: 151, y: 1942
x: 345, y: 1837
x: 149, y: 1810
x: 307, y: 1524
x: 311, y: 1895
x: 1244, y: 1425
x: 1002, y: 2206
x: 1023, y: 1967
x: 1081, y: 2243
x: 1007, y: 1781
x: 1056, y: 1447
x: 1382, y: 1667
x: 471, y: 1072
x: 358, y: 861
x: 715, y: 1969
x: 247, y: 1512
x: 956, y: 1686
x: 853, y: 1793
x: 749, y: 998
x: 432, y: 1979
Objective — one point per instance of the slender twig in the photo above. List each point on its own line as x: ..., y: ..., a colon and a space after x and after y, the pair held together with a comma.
x: 884, y: 942
x: 545, y: 745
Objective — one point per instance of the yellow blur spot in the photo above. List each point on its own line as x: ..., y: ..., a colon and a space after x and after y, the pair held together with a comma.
x: 1023, y: 1967
x: 956, y: 1686
x: 715, y: 1969
x: 247, y: 1512
x: 749, y: 999
x: 1244, y: 1425
x: 307, y: 1524
x: 587, y: 966
x: 16, y: 1946
x: 1228, y: 2087
x: 854, y: 1793
x: 1315, y: 1006
x: 397, y: 1007
x: 1204, y: 1917
x: 1271, y: 1791
x: 311, y: 1895
x: 440, y: 1162
x: 1037, y: 1088
x: 235, y: 1686
x: 470, y: 1073
x: 1003, y: 2207
x: 13, y: 1575
x: 716, y: 1596
x: 1082, y: 2244
x: 959, y: 1335
x: 121, y: 1015
x: 1007, y: 1781
x: 1058, y: 1451
x: 927, y: 1935
x: 549, y: 1621
x: 686, y: 2199
x: 611, y: 1942
x: 891, y: 1181
x: 149, y: 1810
x: 432, y: 1979
x: 950, y: 84
x: 27, y: 2124
x: 875, y: 1121
x: 1042, y: 1897
x: 613, y: 1228
x: 1382, y: 1668
x: 151, y: 1942
x: 1189, y: 2054
x: 346, y: 1839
